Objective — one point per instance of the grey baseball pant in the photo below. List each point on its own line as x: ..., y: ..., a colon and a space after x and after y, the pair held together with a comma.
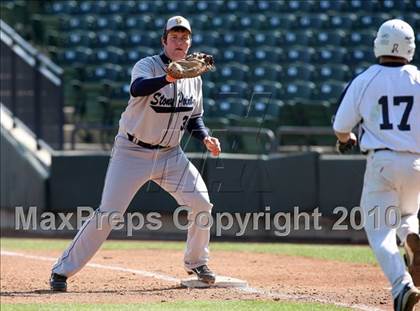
x: 130, y: 167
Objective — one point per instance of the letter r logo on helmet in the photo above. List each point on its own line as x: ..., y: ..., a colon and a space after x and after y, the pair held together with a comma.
x: 395, y: 38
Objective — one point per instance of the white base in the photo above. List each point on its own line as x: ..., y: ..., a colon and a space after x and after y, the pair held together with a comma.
x: 221, y: 281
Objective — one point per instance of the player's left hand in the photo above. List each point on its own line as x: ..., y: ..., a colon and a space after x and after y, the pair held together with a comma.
x: 213, y: 145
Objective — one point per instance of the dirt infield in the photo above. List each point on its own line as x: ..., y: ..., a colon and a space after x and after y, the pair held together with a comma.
x: 278, y: 277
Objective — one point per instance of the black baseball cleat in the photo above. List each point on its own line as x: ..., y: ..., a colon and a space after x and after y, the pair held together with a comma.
x: 407, y: 299
x: 58, y: 283
x: 412, y: 257
x: 204, y: 274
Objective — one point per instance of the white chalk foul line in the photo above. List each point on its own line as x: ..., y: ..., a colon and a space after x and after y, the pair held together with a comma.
x: 168, y: 278
x: 155, y: 275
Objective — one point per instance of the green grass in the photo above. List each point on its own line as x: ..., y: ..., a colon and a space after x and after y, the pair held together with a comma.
x: 180, y: 306
x: 344, y: 253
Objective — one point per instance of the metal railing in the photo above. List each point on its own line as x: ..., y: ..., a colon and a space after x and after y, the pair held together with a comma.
x: 31, y: 87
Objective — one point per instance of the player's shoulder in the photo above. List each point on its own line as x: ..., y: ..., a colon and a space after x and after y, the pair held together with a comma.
x: 412, y: 71
x: 368, y: 74
x: 147, y: 61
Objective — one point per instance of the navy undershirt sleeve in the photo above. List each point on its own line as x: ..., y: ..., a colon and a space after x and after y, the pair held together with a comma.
x: 145, y: 87
x: 197, y: 129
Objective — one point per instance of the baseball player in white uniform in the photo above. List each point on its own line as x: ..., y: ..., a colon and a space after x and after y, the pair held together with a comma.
x: 159, y: 111
x: 385, y: 101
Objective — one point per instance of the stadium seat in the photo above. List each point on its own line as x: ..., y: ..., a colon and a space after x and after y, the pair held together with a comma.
x: 89, y: 39
x: 362, y: 6
x: 87, y: 7
x: 333, y: 72
x: 236, y: 54
x: 95, y: 22
x: 299, y: 53
x: 372, y: 21
x: 312, y: 21
x: 217, y: 124
x: 231, y: 88
x: 330, y: 90
x: 268, y: 71
x: 71, y: 23
x: 329, y: 37
x: 225, y: 21
x: 242, y: 6
x: 343, y: 21
x: 270, y: 6
x: 110, y: 54
x: 190, y: 7
x: 298, y: 91
x: 116, y: 38
x: 137, y: 23
x: 331, y: 55
x: 268, y: 88
x: 233, y: 38
x: 147, y: 7
x: 208, y: 89
x: 206, y: 6
x: 298, y: 71
x: 299, y: 37
x: 361, y: 38
x: 211, y: 38
x: 290, y: 114
x: 360, y: 54
x: 172, y: 7
x: 261, y: 38
x: 208, y: 107
x: 78, y: 55
x: 260, y: 113
x: 297, y: 6
x: 108, y: 71
x: 279, y: 21
x: 324, y: 6
x: 233, y: 108
x: 120, y: 7
x: 158, y: 23
x: 263, y: 107
x: 60, y: 7
x: 141, y: 38
x: 233, y: 71
x: 133, y: 55
x: 394, y: 5
x: 413, y: 18
x: 250, y: 21
x: 201, y: 22
x: 317, y: 113
x: 268, y: 54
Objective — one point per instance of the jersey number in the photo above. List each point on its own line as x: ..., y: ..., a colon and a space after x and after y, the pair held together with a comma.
x: 403, y: 126
x: 184, y: 122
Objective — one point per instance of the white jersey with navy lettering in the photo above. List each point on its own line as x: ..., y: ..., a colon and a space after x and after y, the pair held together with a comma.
x: 386, y: 102
x: 161, y: 118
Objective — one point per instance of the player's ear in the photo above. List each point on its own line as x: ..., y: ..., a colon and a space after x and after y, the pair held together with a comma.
x: 163, y: 40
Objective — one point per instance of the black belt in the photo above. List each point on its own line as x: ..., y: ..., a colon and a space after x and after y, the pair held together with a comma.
x: 382, y: 149
x: 143, y: 144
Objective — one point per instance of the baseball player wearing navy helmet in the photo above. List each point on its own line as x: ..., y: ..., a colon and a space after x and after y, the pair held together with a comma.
x: 147, y: 147
x: 385, y: 101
